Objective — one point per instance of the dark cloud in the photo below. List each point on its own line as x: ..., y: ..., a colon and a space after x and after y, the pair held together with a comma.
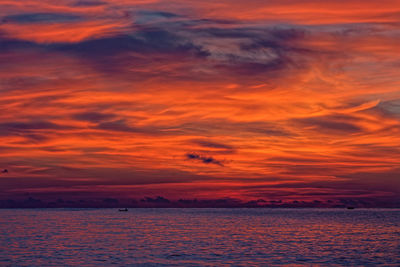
x: 206, y: 160
x: 143, y: 41
x: 334, y: 124
x: 258, y: 50
x: 93, y: 116
x: 10, y: 128
x: 114, y: 54
x: 247, y: 67
x: 89, y: 3
x: 371, y: 150
x: 385, y: 180
x: 41, y: 18
x: 288, y: 34
x: 119, y: 126
x: 152, y: 13
x: 10, y: 44
x: 211, y: 144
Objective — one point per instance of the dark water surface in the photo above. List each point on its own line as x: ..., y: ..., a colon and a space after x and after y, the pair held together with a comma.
x: 199, y: 237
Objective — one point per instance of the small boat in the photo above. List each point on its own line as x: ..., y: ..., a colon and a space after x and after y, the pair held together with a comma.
x: 123, y: 209
x: 350, y: 208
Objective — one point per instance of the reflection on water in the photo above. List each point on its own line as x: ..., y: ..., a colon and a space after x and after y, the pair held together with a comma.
x: 199, y: 237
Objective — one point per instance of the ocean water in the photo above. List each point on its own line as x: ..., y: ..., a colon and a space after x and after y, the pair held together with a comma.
x: 199, y: 237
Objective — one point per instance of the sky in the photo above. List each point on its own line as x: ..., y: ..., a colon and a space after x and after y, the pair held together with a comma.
x: 278, y: 101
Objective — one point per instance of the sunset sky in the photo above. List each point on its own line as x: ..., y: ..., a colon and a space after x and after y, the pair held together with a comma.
x: 280, y: 100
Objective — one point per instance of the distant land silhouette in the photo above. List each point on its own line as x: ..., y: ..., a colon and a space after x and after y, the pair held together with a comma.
x: 162, y: 202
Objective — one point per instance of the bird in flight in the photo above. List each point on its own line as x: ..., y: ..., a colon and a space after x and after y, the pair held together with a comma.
x: 4, y: 171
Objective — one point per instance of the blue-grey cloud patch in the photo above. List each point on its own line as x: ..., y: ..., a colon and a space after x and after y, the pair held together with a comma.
x: 204, y: 159
x: 391, y: 107
x: 256, y: 50
x: 259, y: 49
x: 41, y: 18
x: 279, y: 40
x: 150, y: 16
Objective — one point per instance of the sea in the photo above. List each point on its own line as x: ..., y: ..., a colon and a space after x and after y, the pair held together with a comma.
x: 200, y: 237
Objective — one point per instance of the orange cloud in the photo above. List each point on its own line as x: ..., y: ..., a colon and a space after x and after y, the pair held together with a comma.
x: 281, y: 101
